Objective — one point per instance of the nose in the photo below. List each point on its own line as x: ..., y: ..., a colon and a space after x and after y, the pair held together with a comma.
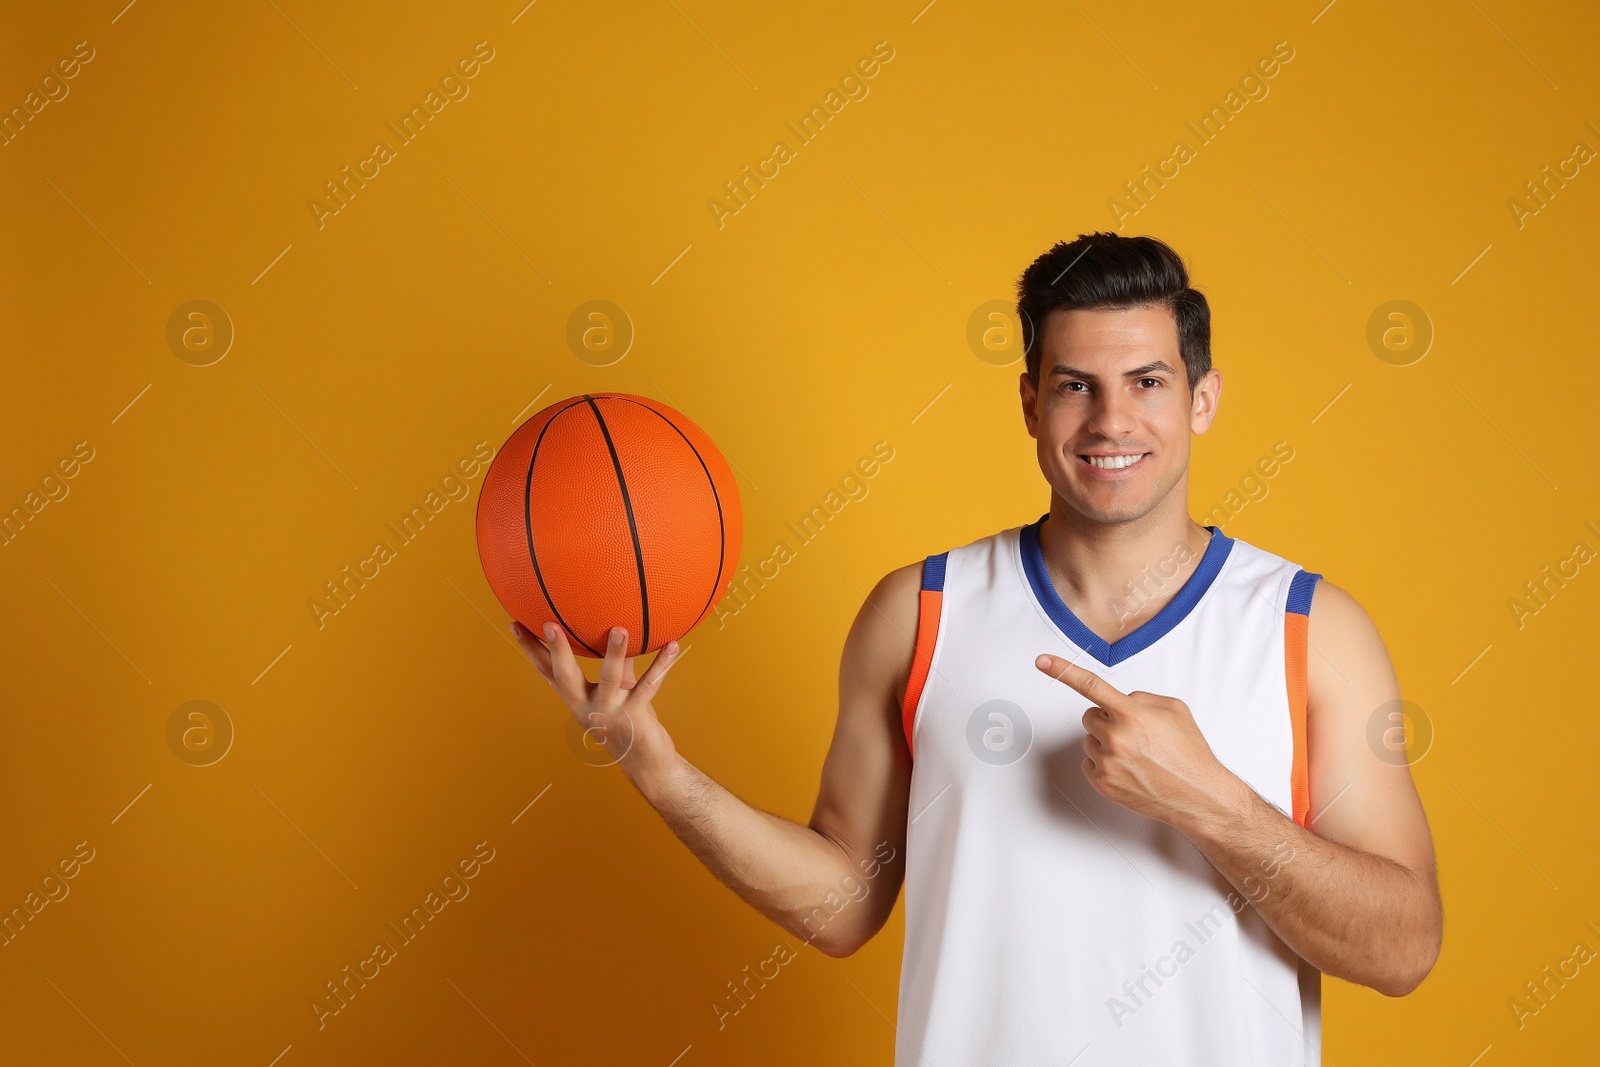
x: 1111, y: 415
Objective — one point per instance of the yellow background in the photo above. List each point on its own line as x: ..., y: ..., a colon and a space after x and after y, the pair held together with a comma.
x: 825, y: 316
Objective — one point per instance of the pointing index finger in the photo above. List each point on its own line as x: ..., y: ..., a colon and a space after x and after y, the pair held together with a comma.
x: 1086, y: 683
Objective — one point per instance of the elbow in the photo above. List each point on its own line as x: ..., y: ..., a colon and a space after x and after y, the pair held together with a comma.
x: 837, y: 950
x: 840, y: 945
x: 1411, y: 971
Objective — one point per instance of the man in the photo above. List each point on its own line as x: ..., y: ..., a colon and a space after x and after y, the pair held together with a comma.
x: 1124, y: 757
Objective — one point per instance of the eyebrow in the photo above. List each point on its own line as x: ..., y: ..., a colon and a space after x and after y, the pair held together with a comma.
x: 1061, y: 370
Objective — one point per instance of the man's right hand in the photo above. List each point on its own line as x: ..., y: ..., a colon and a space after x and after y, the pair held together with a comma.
x: 616, y: 711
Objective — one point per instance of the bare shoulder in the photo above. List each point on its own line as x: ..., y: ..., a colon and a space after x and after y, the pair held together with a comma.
x: 877, y: 652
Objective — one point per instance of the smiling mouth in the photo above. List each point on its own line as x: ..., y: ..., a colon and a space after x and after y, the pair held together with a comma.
x: 1113, y: 463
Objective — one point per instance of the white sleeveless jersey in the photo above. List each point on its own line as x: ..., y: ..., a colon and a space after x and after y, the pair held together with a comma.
x: 1045, y: 924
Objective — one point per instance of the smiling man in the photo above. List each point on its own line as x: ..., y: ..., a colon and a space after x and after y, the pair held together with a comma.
x: 1123, y: 755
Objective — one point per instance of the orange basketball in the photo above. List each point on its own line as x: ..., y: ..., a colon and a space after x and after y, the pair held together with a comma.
x: 609, y: 510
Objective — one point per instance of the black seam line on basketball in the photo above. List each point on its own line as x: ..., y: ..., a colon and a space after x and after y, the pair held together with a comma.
x: 633, y: 528
x: 722, y: 533
x: 527, y: 520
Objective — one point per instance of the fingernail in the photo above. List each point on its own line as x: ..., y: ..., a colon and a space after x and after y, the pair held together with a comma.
x: 618, y: 635
x: 550, y: 631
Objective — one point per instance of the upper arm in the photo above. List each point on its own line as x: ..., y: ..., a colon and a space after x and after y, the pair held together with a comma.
x: 1362, y: 794
x: 866, y: 779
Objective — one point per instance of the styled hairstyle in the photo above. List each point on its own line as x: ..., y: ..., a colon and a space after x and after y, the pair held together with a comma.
x: 1102, y: 271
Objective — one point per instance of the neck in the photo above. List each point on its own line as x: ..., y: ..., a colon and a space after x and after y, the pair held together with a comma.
x: 1136, y: 566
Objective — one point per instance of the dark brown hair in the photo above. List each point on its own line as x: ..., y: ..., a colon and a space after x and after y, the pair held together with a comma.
x: 1102, y: 271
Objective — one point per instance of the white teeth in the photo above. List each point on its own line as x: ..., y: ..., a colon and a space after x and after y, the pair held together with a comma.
x: 1111, y: 463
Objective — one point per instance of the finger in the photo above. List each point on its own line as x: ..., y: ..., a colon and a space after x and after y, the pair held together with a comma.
x: 1086, y: 683
x: 611, y: 666
x: 565, y: 673
x: 628, y: 679
x: 657, y: 670
x: 1095, y: 722
x: 532, y: 648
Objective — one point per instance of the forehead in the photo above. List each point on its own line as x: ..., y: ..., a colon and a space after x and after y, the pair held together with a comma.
x: 1111, y: 335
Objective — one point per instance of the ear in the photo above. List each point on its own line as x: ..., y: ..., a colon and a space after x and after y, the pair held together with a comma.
x: 1029, y: 400
x: 1203, y: 405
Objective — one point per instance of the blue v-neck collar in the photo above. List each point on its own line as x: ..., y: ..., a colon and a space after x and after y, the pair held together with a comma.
x: 1147, y: 633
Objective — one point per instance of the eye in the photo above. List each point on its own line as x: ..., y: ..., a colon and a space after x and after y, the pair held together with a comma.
x: 1156, y: 381
x: 1066, y: 386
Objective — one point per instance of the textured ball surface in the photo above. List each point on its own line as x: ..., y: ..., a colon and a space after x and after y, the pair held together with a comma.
x: 606, y: 510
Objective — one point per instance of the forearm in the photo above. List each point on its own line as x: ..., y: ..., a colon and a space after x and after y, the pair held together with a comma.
x: 1350, y: 913
x: 784, y: 870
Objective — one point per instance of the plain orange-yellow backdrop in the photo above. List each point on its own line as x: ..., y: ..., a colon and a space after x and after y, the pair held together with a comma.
x: 375, y: 350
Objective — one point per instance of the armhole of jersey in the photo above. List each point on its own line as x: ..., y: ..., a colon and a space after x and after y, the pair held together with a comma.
x: 1296, y: 630
x: 930, y: 600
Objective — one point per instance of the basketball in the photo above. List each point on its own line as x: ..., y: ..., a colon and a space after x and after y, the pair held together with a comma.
x: 606, y: 510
